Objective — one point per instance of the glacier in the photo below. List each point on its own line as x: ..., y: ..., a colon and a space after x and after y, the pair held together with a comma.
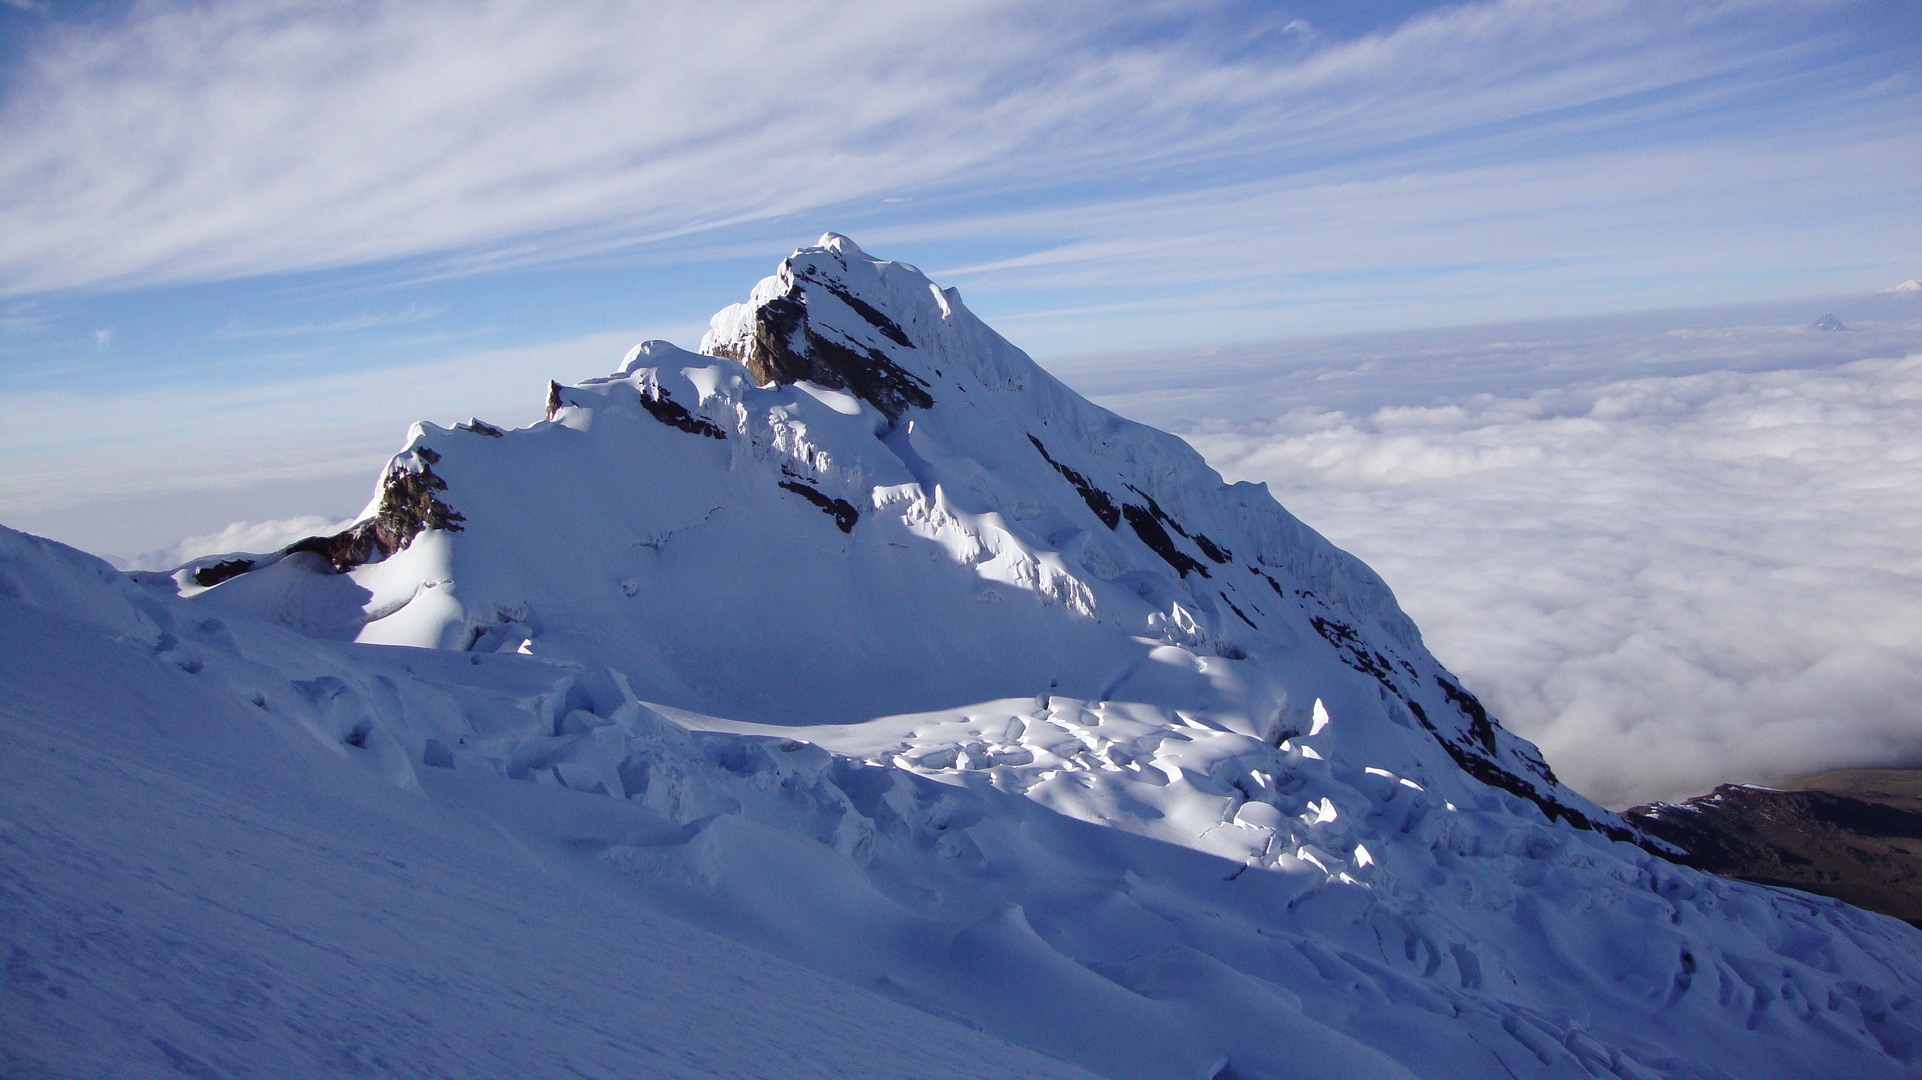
x: 846, y: 697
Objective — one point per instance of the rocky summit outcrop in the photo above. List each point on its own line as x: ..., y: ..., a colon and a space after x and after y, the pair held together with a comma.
x: 408, y: 503
x: 781, y: 344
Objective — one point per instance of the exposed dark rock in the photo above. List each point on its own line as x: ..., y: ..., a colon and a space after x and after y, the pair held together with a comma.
x: 1469, y: 758
x: 1158, y: 540
x: 407, y: 507
x: 841, y: 510
x: 1211, y: 549
x: 1537, y: 764
x: 553, y: 398
x: 1097, y: 499
x: 888, y: 327
x: 344, y: 550
x: 1272, y: 583
x: 1482, y: 727
x: 1335, y: 631
x: 481, y: 427
x: 1863, y: 847
x: 1479, y: 724
x: 1353, y: 651
x: 786, y: 350
x: 871, y: 376
x: 1237, y: 611
x: 1155, y: 509
x: 208, y: 576
x: 1208, y: 547
x: 777, y: 354
x: 675, y: 415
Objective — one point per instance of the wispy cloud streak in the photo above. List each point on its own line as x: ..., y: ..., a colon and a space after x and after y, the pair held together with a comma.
x: 225, y: 139
x: 236, y: 329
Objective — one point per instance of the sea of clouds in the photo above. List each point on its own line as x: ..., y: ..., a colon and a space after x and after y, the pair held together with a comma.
x: 1673, y: 551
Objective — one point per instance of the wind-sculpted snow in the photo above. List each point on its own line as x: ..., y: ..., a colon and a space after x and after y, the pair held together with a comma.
x: 998, y: 706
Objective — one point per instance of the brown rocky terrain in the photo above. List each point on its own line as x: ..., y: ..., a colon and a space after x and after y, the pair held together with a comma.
x: 1853, y: 834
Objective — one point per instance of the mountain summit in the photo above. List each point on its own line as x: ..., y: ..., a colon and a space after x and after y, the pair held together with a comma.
x: 857, y: 639
x: 859, y: 501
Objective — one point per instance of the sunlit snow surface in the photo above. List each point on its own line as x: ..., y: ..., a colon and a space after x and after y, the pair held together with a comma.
x: 1194, y: 807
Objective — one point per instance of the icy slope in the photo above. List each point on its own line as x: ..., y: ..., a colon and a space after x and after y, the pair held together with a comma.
x: 199, y: 877
x: 861, y: 641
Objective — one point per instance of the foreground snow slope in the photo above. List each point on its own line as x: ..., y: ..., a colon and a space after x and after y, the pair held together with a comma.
x: 860, y: 641
x: 192, y: 883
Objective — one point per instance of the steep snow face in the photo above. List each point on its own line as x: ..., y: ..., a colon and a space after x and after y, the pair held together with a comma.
x: 858, y: 638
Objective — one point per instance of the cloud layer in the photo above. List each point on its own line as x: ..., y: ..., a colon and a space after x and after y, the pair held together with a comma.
x: 1149, y: 146
x: 1667, y: 582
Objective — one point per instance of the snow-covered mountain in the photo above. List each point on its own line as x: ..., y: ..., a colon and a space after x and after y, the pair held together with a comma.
x: 860, y: 642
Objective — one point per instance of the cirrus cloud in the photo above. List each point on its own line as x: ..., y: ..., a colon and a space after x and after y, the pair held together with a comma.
x: 241, y: 137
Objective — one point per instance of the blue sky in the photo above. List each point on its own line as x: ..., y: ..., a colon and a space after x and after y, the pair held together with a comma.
x: 225, y: 225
